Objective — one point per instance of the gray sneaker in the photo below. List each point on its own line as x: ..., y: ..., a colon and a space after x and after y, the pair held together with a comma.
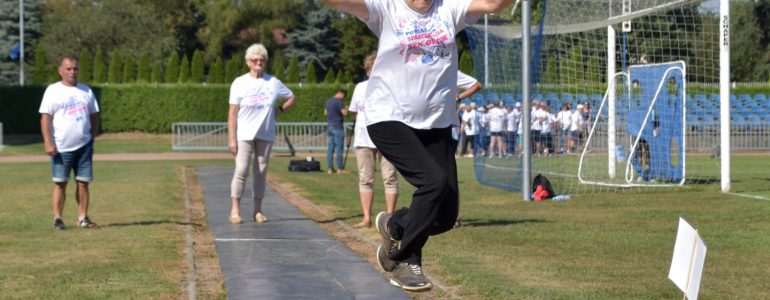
x: 410, y: 277
x: 388, y: 246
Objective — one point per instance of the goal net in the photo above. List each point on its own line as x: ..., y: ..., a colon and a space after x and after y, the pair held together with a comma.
x: 631, y: 67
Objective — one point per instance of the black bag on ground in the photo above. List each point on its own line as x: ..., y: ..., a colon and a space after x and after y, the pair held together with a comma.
x: 303, y: 165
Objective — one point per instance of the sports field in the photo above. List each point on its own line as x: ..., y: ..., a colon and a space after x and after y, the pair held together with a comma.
x: 594, y: 246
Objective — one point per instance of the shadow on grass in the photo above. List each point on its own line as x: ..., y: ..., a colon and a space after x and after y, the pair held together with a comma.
x: 498, y: 222
x: 148, y: 223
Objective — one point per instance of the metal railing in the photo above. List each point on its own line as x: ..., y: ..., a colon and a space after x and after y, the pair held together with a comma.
x: 1, y: 136
x: 303, y: 136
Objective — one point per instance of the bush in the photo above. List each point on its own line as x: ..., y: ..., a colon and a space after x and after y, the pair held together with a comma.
x: 153, y: 107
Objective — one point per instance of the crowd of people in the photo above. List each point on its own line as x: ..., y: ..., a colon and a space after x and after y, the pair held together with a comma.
x: 495, y: 130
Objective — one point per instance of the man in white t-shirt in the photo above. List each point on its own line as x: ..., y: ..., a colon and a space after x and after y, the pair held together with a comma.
x: 410, y: 107
x: 564, y: 120
x: 69, y: 121
x: 576, y: 128
x: 512, y: 119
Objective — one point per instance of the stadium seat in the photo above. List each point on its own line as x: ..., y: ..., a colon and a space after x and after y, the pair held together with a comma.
x: 567, y: 97
x: 508, y: 99
x: 478, y: 98
x: 582, y: 98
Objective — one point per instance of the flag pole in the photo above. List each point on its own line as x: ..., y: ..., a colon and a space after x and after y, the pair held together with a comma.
x: 21, y: 42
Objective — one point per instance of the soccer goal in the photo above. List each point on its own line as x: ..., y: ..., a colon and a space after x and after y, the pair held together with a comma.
x: 634, y: 68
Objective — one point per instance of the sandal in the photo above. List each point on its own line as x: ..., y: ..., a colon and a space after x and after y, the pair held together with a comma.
x: 363, y: 224
x: 260, y: 218
x: 235, y: 219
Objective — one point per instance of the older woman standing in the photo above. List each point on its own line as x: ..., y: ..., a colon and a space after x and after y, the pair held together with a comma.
x: 410, y: 108
x: 251, y: 127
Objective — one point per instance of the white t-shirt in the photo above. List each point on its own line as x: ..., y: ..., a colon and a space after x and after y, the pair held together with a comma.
x: 538, y: 119
x: 357, y: 106
x: 470, y: 118
x: 512, y: 120
x: 577, y: 121
x: 71, y: 109
x: 256, y: 99
x: 548, y: 122
x: 414, y: 78
x: 565, y: 119
x: 464, y: 81
x: 496, y: 120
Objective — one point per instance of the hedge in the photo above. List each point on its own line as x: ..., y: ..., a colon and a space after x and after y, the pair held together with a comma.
x: 154, y: 107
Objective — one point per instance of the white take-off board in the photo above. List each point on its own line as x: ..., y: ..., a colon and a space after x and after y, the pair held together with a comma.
x: 687, y: 262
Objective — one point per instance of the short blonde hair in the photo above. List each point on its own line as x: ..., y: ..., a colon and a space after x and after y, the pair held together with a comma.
x: 369, y: 62
x: 256, y: 50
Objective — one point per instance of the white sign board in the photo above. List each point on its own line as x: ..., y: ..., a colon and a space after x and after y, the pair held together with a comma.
x: 687, y: 262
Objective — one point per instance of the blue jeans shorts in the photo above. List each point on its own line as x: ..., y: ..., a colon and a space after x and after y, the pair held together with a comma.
x: 79, y: 161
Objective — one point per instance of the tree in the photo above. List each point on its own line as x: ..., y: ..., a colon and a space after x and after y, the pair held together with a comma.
x: 293, y: 72
x: 217, y: 72
x: 155, y: 75
x: 9, y: 36
x: 129, y: 27
x: 310, y: 77
x: 41, y: 68
x: 340, y: 77
x: 330, y: 77
x: 233, y: 69
x: 747, y: 55
x: 310, y: 41
x: 184, y: 70
x: 114, y: 71
x: 197, y: 69
x: 466, y: 65
x: 356, y: 42
x: 172, y: 68
x: 129, y: 70
x: 231, y: 26
x: 84, y: 66
x: 144, y: 72
x: 278, y: 65
x: 98, y: 67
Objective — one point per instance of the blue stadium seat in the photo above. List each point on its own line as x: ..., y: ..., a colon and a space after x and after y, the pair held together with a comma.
x: 492, y: 97
x: 508, y: 99
x: 567, y: 97
x: 596, y: 100
x: 551, y: 97
x: 580, y: 98
x: 478, y: 98
x: 760, y: 100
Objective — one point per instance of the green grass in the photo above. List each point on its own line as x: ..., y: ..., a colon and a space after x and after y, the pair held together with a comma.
x: 105, y: 143
x: 136, y: 253
x: 594, y: 246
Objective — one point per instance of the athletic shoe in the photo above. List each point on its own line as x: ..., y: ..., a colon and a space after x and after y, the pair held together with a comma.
x: 58, y: 224
x: 388, y: 246
x: 343, y: 171
x: 86, y: 223
x: 410, y: 277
